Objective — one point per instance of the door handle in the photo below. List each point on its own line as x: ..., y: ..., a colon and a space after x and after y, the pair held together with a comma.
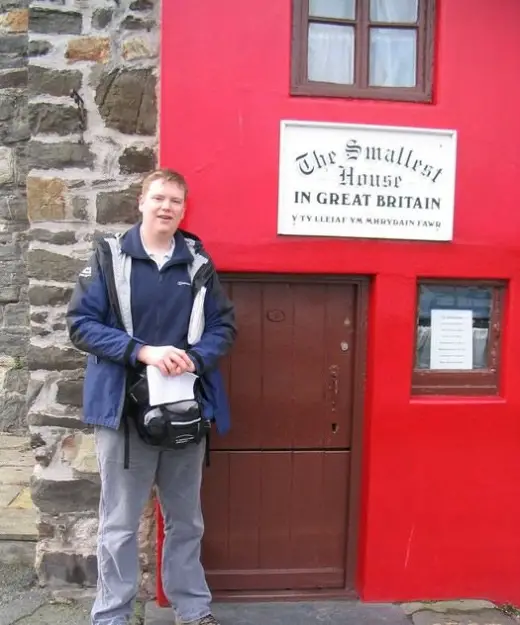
x: 333, y: 385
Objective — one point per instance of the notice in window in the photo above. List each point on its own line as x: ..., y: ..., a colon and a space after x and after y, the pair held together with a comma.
x: 451, y: 339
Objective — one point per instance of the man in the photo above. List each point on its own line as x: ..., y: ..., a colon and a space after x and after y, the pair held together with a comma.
x: 133, y: 306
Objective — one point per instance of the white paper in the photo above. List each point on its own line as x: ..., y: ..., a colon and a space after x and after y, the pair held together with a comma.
x: 167, y: 389
x: 451, y: 344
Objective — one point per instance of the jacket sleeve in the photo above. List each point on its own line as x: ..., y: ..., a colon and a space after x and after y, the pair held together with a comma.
x: 219, y: 329
x: 87, y: 316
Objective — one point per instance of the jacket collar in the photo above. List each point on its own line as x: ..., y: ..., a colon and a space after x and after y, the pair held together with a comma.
x: 132, y: 245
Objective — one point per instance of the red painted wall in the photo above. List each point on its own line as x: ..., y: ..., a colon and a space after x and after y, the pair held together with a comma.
x: 441, y: 477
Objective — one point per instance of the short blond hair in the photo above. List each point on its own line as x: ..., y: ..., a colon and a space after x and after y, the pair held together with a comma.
x: 168, y: 175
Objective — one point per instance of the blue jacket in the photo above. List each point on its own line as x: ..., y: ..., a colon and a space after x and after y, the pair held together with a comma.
x: 111, y: 316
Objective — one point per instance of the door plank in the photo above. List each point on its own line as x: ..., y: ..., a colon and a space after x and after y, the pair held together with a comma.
x: 285, y: 514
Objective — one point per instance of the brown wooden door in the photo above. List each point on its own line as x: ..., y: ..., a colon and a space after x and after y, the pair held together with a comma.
x: 276, y: 495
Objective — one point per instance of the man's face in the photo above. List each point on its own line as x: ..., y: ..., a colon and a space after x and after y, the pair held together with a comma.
x: 162, y: 207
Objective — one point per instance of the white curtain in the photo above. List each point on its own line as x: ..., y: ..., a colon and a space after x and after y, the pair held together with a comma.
x: 392, y: 50
x: 331, y: 53
x: 393, y: 10
x: 480, y: 341
x: 345, y: 9
x: 392, y: 57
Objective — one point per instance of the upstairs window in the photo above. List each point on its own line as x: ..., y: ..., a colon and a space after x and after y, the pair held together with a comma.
x: 377, y: 49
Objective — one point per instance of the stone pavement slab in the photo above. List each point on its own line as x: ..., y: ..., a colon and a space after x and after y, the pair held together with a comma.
x: 18, y: 524
x: 287, y: 613
x: 20, y: 475
x: 58, y: 614
x: 459, y: 605
x: 482, y: 617
x: 8, y: 492
x: 18, y: 516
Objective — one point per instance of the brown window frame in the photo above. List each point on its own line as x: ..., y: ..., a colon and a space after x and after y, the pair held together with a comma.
x: 478, y: 381
x: 421, y: 92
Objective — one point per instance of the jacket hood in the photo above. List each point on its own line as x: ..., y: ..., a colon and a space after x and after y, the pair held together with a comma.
x: 186, y: 244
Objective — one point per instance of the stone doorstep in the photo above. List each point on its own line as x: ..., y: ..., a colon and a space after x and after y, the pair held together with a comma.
x: 464, y: 612
x: 287, y: 613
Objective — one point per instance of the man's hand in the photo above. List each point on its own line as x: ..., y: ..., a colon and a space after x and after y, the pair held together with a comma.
x: 168, y: 359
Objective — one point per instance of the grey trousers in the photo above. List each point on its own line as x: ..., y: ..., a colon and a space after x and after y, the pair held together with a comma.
x: 124, y: 494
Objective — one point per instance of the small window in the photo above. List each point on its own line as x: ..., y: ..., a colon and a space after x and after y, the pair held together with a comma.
x: 377, y: 49
x: 457, y: 343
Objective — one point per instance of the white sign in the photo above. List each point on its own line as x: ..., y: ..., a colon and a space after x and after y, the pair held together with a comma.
x: 451, y: 344
x: 346, y: 180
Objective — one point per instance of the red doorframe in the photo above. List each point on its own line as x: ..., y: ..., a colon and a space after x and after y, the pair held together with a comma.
x: 162, y: 600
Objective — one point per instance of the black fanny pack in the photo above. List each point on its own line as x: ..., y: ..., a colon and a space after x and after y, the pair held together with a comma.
x: 167, y: 426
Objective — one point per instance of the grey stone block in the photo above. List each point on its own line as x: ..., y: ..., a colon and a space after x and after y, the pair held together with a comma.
x: 55, y: 22
x: 137, y: 161
x: 9, y: 294
x: 72, y: 420
x: 45, y: 265
x: 65, y: 237
x: 13, y: 79
x: 101, y: 18
x: 126, y: 100
x: 39, y: 317
x: 141, y: 5
x: 14, y: 341
x: 59, y: 496
x: 59, y: 155
x: 16, y: 380
x: 54, y: 118
x: 135, y: 23
x: 70, y: 392
x: 39, y: 48
x: 16, y: 314
x: 13, y: 208
x: 11, y: 61
x: 13, y: 44
x: 118, y: 206
x: 13, y: 115
x: 55, y: 358
x: 53, y: 81
x: 72, y: 568
x: 49, y: 295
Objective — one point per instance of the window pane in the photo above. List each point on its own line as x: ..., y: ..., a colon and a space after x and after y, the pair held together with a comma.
x: 331, y: 53
x: 394, y: 11
x: 345, y: 9
x: 477, y: 300
x: 392, y: 57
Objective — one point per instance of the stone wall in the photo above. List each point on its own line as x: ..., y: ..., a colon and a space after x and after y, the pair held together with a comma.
x: 14, y: 133
x: 81, y: 124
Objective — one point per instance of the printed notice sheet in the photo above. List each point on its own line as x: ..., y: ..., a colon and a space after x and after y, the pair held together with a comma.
x: 168, y: 389
x: 451, y: 344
